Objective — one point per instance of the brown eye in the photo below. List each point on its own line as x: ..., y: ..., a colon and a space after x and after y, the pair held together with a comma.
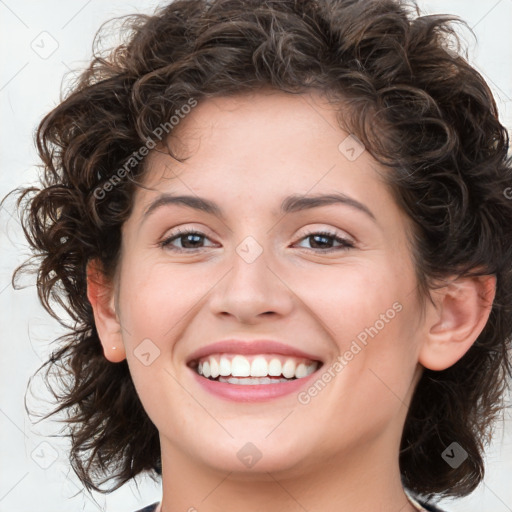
x: 324, y: 241
x: 189, y: 240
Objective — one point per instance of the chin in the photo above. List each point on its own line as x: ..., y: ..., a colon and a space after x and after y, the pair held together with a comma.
x: 246, y: 460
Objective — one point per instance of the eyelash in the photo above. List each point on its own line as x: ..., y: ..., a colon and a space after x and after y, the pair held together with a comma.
x: 345, y: 243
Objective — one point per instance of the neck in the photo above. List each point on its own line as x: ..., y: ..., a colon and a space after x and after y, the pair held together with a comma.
x: 362, y: 481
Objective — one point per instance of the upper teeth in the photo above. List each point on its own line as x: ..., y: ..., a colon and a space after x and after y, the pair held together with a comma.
x: 255, y: 366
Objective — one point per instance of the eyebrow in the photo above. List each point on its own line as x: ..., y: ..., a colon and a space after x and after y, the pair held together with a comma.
x: 290, y: 204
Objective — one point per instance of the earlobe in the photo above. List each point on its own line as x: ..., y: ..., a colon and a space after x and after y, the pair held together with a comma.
x: 462, y: 310
x: 100, y: 293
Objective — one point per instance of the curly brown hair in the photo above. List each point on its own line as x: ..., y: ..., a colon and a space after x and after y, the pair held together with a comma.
x: 398, y: 73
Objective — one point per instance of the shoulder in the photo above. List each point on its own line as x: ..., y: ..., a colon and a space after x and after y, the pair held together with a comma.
x: 430, y: 507
x: 422, y: 504
x: 149, y: 508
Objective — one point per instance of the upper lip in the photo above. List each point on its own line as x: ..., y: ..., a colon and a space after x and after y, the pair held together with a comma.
x: 251, y: 347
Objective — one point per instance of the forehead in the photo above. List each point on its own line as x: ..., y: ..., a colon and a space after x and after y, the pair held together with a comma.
x: 271, y: 131
x: 265, y: 146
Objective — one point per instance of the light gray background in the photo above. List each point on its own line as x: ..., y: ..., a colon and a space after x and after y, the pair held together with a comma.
x: 30, y: 81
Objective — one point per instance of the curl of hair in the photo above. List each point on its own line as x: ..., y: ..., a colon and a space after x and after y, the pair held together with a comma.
x: 418, y: 107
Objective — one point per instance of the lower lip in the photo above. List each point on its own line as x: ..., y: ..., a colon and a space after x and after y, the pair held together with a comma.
x: 251, y: 392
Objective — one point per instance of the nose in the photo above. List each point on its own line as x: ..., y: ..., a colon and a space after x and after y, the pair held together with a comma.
x: 252, y: 291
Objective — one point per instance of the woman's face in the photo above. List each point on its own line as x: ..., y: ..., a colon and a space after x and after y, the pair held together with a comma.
x: 257, y: 268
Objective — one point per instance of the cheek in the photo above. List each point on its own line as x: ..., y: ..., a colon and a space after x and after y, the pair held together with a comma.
x: 156, y: 297
x: 384, y: 367
x: 346, y: 299
x: 155, y: 300
x: 369, y: 311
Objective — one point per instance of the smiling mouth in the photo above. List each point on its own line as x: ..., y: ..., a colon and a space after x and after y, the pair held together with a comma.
x: 254, y: 370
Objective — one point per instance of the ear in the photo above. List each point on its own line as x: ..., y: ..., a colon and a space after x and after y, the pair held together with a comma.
x: 100, y: 293
x: 453, y: 325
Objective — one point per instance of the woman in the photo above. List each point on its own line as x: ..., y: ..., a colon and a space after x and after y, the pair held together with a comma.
x: 283, y: 232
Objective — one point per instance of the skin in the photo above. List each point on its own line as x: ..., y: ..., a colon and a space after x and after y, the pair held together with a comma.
x: 246, y: 153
